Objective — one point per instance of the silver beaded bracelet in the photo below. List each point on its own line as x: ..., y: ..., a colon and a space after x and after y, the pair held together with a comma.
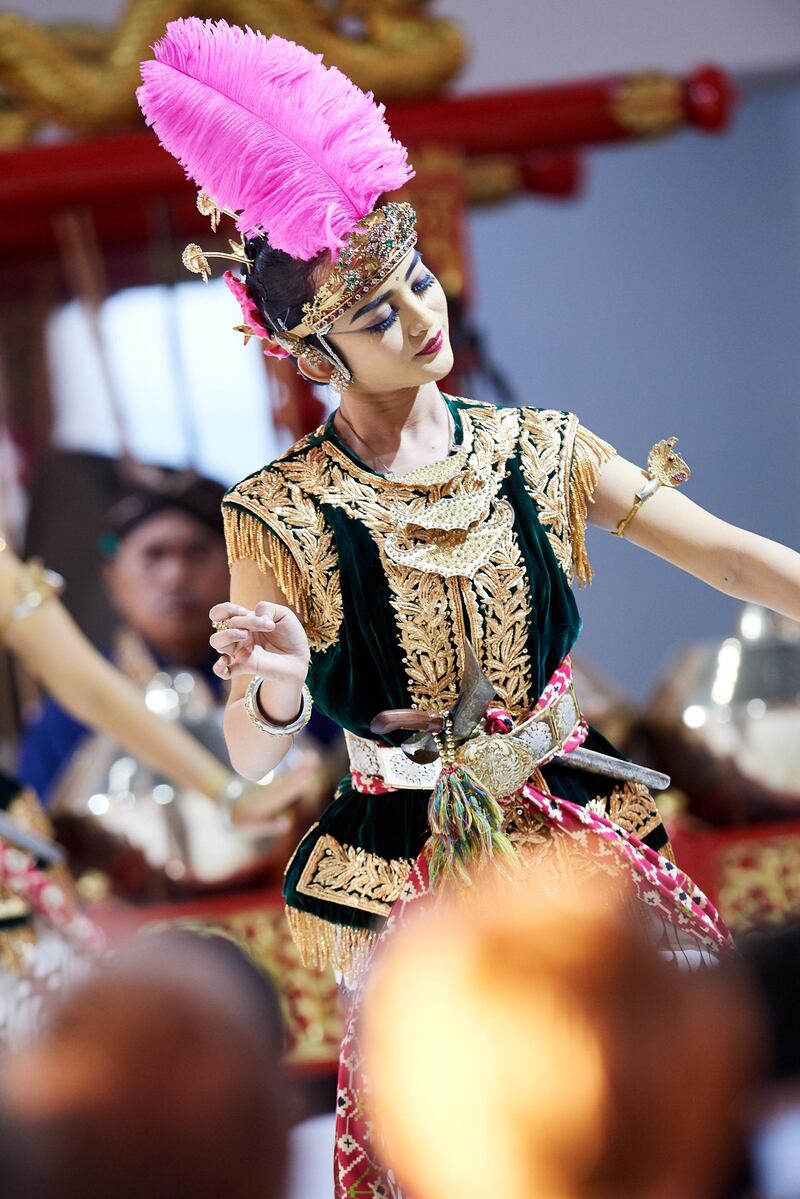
x: 276, y: 730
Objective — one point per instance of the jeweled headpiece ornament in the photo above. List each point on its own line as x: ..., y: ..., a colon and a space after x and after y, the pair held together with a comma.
x: 291, y: 149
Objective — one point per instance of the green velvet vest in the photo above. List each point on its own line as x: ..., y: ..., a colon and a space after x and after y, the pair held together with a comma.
x: 391, y: 577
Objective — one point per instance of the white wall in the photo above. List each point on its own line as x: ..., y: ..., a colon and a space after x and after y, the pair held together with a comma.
x: 666, y: 301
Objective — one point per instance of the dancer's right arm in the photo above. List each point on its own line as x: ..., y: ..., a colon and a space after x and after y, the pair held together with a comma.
x: 264, y: 638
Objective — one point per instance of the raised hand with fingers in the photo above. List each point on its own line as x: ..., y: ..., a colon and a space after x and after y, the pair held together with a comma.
x: 268, y: 641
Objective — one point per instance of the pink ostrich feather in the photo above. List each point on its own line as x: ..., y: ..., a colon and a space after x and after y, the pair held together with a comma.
x: 293, y: 146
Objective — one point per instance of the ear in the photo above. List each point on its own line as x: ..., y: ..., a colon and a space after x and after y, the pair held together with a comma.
x: 318, y: 371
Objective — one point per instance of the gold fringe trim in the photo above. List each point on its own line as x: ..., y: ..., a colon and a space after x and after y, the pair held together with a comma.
x: 249, y: 540
x: 244, y: 538
x: 321, y: 943
x: 588, y: 456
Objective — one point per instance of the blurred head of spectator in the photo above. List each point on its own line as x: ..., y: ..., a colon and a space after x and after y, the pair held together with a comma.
x: 536, y: 1048
x: 157, y: 1078
x: 166, y: 562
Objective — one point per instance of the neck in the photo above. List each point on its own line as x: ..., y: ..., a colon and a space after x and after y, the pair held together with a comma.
x: 405, y: 428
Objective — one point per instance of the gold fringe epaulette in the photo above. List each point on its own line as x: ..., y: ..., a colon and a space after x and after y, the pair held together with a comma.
x: 248, y: 539
x: 244, y: 537
x: 588, y: 456
x: 321, y: 943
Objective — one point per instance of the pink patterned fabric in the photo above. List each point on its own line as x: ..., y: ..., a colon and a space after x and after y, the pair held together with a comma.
x: 370, y: 784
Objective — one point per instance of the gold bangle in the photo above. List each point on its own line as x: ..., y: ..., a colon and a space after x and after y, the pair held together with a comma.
x: 35, y: 585
x: 665, y: 468
x: 266, y: 726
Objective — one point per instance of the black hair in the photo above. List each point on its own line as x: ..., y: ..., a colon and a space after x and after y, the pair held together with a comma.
x: 280, y: 285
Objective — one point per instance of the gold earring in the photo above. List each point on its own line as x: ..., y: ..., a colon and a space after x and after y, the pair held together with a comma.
x: 312, y: 355
x: 340, y: 379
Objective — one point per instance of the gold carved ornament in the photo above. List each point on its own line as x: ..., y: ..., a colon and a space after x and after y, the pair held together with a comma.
x: 84, y: 79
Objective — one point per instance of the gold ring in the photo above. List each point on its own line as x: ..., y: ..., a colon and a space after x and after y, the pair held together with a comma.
x: 221, y: 625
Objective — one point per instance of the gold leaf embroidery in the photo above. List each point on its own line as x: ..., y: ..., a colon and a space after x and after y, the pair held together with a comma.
x: 428, y: 614
x: 561, y: 463
x: 504, y: 594
x: 349, y: 875
x: 544, y: 439
x: 434, y: 614
x: 632, y: 807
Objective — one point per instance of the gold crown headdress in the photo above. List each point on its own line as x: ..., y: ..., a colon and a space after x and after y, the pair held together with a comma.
x: 369, y: 255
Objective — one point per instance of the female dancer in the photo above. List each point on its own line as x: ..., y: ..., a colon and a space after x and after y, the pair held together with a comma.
x: 409, y: 563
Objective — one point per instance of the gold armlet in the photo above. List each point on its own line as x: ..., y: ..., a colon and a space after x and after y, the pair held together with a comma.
x: 665, y: 468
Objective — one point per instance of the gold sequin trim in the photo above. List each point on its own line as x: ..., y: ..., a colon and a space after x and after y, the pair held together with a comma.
x: 350, y: 876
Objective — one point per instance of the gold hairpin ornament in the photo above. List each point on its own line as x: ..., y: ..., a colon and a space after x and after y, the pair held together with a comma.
x: 665, y: 468
x: 196, y: 259
x: 208, y: 206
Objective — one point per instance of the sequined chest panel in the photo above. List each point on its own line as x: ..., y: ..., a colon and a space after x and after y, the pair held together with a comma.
x: 445, y: 539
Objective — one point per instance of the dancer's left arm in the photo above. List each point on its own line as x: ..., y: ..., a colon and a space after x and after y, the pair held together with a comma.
x: 736, y: 562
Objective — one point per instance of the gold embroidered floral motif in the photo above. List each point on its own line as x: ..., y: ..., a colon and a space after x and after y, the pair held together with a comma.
x: 503, y: 590
x: 561, y: 463
x: 630, y: 806
x: 429, y: 614
x: 349, y: 875
x: 444, y: 536
x: 544, y: 443
x: 559, y: 861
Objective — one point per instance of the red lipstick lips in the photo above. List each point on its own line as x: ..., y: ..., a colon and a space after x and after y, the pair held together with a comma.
x: 433, y: 346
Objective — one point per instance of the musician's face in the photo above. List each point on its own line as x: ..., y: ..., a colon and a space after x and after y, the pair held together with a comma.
x: 167, y: 573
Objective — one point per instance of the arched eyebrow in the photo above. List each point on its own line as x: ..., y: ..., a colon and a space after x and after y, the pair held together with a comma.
x: 387, y: 295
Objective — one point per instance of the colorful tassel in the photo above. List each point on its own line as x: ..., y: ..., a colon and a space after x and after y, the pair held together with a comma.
x: 466, y: 826
x: 268, y: 131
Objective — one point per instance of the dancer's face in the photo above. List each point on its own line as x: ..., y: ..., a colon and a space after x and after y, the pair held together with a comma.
x: 397, y: 336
